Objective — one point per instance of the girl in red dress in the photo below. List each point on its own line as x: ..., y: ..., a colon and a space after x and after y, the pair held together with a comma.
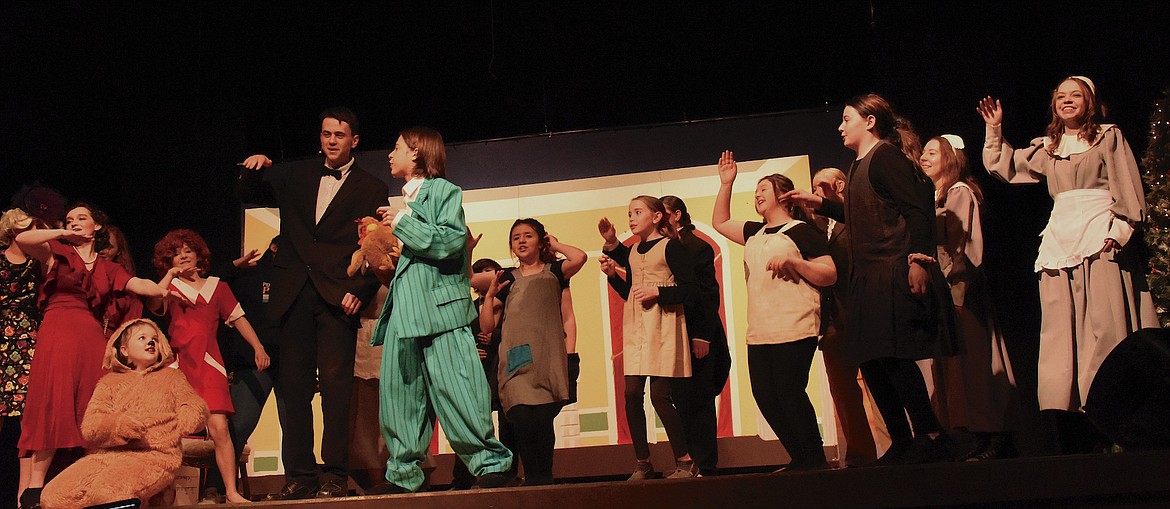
x: 76, y: 294
x: 196, y: 305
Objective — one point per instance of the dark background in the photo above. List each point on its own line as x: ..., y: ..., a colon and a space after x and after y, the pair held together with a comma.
x: 144, y: 110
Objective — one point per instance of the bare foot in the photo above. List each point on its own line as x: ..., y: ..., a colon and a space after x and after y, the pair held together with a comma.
x: 234, y: 497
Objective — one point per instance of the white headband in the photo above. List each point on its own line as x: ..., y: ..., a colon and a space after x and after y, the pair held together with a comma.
x: 1088, y: 82
x: 955, y: 141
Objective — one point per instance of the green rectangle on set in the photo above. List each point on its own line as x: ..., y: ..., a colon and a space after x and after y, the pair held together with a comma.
x: 594, y: 422
x: 265, y: 464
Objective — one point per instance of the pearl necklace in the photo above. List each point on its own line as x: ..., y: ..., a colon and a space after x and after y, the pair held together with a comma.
x: 90, y: 262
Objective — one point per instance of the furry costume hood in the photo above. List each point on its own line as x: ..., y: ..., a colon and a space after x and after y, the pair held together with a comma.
x: 111, y: 361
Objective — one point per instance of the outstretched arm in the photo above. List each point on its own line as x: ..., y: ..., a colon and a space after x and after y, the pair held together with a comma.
x: 253, y: 187
x: 146, y: 288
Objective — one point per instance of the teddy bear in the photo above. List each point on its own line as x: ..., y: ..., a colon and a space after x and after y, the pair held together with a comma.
x: 379, y: 250
x: 133, y: 427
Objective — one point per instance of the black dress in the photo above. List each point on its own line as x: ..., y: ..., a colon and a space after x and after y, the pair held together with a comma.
x: 889, y: 208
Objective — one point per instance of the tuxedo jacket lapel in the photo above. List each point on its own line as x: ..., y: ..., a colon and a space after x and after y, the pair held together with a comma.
x: 308, y: 184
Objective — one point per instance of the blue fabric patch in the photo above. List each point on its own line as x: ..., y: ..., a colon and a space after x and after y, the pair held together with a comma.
x: 518, y: 357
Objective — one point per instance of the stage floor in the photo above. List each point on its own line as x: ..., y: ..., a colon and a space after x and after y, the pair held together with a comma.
x: 1092, y: 481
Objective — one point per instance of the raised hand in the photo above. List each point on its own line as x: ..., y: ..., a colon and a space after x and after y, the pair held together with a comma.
x: 607, y: 231
x: 990, y: 110
x: 472, y: 240
x: 255, y: 162
x: 727, y: 167
x: 495, y: 287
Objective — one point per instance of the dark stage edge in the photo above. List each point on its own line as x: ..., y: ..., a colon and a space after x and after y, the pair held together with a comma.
x: 1131, y: 480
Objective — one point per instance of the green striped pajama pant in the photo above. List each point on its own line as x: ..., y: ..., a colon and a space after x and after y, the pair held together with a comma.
x: 439, y: 376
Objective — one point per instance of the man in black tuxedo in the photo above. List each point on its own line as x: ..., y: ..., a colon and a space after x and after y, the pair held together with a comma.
x: 313, y: 300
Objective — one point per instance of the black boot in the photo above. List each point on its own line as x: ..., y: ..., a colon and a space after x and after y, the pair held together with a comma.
x: 31, y: 498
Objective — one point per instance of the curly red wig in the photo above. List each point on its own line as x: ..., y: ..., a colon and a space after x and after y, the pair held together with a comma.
x: 165, y: 250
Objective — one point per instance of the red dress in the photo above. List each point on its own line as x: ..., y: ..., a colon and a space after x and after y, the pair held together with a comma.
x: 70, y: 347
x: 195, y: 318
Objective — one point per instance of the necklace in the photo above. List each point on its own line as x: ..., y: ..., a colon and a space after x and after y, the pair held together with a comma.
x: 90, y: 262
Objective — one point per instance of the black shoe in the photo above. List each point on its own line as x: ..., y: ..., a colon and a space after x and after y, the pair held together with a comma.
x: 332, y: 488
x: 295, y: 490
x: 928, y: 450
x: 494, y: 480
x: 999, y: 446
x: 31, y: 498
x: 893, y: 455
x: 386, y: 489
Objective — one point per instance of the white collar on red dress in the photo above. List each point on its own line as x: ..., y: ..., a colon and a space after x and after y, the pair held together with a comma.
x: 189, y: 292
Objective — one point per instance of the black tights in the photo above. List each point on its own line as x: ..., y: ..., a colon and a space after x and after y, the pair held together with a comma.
x: 663, y: 406
x: 899, y: 390
x: 535, y: 439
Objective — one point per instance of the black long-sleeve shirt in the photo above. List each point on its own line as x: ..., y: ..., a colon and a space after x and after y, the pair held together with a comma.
x: 897, y: 181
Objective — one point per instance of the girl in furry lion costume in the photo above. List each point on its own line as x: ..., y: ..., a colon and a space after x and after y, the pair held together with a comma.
x: 133, y: 425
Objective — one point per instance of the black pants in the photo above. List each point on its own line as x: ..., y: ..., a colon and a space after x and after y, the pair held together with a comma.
x: 462, y: 478
x: 663, y: 404
x: 535, y: 440
x: 779, y: 375
x: 694, y: 398
x: 317, y: 344
x: 899, y: 390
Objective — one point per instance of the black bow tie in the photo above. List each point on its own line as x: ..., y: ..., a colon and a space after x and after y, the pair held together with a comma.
x: 326, y: 172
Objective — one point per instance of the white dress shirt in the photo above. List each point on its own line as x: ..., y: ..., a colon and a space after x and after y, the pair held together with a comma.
x: 328, y: 187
